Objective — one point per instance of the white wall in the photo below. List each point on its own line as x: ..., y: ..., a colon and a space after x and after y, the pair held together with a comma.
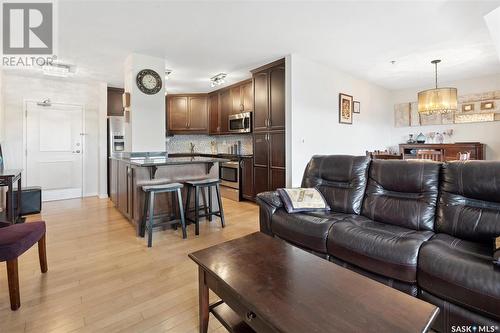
x: 493, y: 22
x: 314, y: 124
x: 488, y: 132
x: 18, y: 89
x: 1, y: 107
x: 147, y: 127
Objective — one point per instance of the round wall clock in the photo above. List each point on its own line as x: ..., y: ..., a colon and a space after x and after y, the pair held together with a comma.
x: 148, y: 81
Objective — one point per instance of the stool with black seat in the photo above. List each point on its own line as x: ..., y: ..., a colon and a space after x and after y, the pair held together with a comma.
x: 201, y: 185
x: 148, y: 216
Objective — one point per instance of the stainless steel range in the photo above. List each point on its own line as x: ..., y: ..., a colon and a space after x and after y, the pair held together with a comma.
x: 230, y: 179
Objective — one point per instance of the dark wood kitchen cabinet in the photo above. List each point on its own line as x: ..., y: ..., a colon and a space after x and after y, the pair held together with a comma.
x: 115, y: 102
x: 269, y: 127
x: 269, y: 161
x: 242, y: 97
x: 225, y: 110
x: 247, y: 191
x: 213, y: 113
x: 125, y: 195
x: 269, y: 97
x: 187, y: 113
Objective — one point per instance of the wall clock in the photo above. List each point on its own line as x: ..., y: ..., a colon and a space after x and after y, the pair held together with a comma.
x: 148, y: 81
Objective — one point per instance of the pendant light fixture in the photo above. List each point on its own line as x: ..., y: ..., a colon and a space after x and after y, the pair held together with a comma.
x: 437, y: 100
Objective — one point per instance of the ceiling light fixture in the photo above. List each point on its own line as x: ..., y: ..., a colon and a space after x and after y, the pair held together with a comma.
x: 58, y: 69
x: 437, y: 100
x: 218, y: 79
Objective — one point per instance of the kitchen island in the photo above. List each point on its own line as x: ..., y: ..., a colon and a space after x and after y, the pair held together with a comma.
x: 130, y: 171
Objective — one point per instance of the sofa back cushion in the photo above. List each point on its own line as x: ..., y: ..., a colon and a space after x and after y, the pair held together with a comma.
x: 340, y: 178
x: 469, y: 203
x: 403, y: 193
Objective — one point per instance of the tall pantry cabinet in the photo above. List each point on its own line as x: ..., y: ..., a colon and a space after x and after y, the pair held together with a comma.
x: 269, y: 126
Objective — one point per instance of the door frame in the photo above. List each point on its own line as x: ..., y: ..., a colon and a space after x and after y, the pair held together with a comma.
x: 25, y: 140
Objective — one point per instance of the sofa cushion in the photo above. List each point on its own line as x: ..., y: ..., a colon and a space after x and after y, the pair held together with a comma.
x: 469, y: 205
x: 340, y: 178
x: 380, y: 248
x: 308, y: 230
x: 402, y: 193
x: 460, y: 272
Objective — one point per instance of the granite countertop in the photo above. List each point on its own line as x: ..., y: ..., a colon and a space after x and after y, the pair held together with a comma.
x: 220, y: 155
x: 158, y: 161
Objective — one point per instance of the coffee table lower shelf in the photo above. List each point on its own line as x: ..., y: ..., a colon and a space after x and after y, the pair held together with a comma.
x: 229, y: 319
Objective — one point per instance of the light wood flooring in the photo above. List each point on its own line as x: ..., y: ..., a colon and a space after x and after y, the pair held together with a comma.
x: 102, y: 278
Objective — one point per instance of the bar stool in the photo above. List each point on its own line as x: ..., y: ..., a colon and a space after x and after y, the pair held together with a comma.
x: 202, y: 185
x: 150, y: 191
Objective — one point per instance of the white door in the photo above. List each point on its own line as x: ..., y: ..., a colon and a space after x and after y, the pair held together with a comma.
x: 54, y: 150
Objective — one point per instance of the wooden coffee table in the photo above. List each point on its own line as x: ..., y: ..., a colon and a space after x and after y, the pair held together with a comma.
x: 268, y: 285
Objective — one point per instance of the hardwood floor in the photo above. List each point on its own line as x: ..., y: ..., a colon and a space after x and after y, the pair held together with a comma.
x: 102, y: 278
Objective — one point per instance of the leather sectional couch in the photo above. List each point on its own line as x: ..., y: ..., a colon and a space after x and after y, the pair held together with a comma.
x: 425, y: 228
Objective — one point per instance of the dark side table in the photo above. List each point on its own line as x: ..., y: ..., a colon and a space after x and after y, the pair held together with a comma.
x: 8, y: 177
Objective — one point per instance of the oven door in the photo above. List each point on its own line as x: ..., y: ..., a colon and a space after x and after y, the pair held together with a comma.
x: 230, y: 174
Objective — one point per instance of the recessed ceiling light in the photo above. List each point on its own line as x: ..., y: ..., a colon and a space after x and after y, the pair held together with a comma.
x: 218, y: 79
x: 167, y: 73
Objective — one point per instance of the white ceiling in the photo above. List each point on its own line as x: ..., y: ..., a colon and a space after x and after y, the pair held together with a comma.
x: 201, y: 39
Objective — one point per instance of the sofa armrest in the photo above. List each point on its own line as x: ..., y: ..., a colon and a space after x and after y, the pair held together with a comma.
x: 271, y: 198
x: 268, y: 202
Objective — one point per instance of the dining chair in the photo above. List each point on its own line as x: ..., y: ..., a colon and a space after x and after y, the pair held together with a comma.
x: 15, y: 239
x: 433, y: 155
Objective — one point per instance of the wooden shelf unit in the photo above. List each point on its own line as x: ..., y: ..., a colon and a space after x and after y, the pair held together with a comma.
x: 450, y: 150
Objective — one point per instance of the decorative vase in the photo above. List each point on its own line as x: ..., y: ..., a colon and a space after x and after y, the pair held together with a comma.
x: 421, y: 138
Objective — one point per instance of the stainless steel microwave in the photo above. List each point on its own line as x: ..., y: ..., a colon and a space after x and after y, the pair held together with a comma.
x: 240, y: 123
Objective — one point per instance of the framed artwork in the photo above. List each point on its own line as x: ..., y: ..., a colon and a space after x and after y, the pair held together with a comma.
x: 345, y: 109
x: 402, y: 116
x: 356, y: 107
x: 468, y: 107
x: 487, y: 105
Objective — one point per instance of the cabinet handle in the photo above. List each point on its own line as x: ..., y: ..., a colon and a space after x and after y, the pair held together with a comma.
x: 250, y: 316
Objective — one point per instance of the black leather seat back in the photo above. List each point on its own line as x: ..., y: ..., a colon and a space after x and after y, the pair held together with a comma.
x: 403, y: 193
x: 340, y: 178
x: 469, y: 204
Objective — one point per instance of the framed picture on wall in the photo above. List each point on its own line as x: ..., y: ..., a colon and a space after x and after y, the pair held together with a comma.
x: 345, y: 108
x: 356, y: 107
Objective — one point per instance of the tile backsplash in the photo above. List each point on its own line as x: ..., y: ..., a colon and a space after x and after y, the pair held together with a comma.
x: 203, y: 143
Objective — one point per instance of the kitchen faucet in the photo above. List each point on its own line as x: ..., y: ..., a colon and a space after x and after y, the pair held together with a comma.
x: 191, y: 147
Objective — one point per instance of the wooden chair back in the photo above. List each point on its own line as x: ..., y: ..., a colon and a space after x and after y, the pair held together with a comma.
x: 433, y: 155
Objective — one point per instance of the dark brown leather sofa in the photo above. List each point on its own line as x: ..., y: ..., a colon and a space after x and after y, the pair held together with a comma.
x: 422, y: 227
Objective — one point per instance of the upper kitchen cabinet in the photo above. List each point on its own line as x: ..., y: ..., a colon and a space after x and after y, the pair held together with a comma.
x: 242, y: 97
x: 187, y: 113
x: 213, y: 114
x: 198, y: 115
x: 225, y: 110
x: 269, y: 97
x: 115, y: 102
